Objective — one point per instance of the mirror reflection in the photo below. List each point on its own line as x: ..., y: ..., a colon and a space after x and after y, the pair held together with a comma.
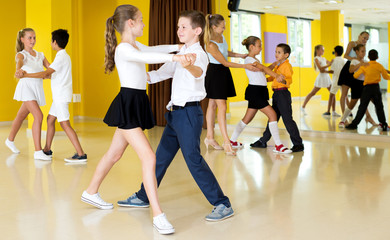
x: 304, y: 25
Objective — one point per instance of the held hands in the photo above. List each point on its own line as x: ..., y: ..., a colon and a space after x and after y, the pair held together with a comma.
x: 20, y: 73
x: 187, y: 60
x: 280, y: 78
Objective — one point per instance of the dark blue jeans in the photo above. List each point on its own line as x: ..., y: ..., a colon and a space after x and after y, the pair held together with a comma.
x: 183, y: 130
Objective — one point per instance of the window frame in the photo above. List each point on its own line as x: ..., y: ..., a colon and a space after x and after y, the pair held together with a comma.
x: 240, y: 35
x: 295, y: 46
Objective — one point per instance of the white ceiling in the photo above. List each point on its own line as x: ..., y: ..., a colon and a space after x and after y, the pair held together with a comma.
x: 370, y: 12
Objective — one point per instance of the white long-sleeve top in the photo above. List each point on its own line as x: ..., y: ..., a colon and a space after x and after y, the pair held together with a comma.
x: 255, y: 78
x: 185, y: 87
x: 130, y: 62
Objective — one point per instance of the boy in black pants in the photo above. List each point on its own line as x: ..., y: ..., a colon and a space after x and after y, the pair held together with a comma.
x: 372, y: 77
x: 281, y: 100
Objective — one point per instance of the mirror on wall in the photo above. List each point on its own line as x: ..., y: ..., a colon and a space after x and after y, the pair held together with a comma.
x: 299, y: 22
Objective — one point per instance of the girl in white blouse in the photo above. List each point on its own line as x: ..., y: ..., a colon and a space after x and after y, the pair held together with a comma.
x: 130, y: 111
x: 29, y: 91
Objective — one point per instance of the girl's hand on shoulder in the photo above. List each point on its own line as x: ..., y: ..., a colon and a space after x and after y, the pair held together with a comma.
x: 252, y: 67
x: 363, y: 63
x: 244, y: 55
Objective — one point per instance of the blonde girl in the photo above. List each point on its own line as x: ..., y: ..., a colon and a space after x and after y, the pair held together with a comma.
x: 219, y: 82
x: 29, y: 91
x: 323, y: 79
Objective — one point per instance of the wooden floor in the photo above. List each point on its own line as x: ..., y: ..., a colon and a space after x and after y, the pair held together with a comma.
x: 338, y: 188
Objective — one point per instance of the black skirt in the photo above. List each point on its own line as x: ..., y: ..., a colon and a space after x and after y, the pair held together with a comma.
x: 219, y: 82
x: 130, y: 109
x: 257, y: 96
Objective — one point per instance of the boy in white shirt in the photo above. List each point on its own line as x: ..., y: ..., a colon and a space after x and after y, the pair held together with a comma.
x: 337, y: 64
x: 185, y: 119
x: 61, y: 87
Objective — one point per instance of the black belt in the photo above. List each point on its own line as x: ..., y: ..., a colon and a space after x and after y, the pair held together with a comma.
x: 188, y: 104
x: 279, y: 89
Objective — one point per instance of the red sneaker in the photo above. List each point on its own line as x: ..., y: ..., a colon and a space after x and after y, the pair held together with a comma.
x: 236, y: 144
x: 281, y: 149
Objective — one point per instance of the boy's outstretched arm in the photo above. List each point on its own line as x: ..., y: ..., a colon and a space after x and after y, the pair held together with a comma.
x: 44, y: 74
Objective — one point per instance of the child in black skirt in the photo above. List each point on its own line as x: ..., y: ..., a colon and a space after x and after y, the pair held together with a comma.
x: 219, y: 82
x: 130, y: 111
x: 257, y: 95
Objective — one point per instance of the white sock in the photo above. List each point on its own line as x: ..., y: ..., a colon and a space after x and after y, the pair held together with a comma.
x: 347, y: 111
x: 239, y: 128
x: 273, y: 128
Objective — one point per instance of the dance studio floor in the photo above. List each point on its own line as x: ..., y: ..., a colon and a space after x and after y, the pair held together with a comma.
x: 338, y: 188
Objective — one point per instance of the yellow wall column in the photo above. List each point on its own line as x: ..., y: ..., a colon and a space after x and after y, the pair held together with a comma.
x: 12, y: 22
x: 45, y: 16
x: 332, y: 34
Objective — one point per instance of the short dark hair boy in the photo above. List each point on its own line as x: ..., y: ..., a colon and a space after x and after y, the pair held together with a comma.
x: 339, y: 50
x: 373, y: 55
x: 61, y: 36
x: 286, y: 48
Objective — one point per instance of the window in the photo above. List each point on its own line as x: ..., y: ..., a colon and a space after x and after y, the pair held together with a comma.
x: 346, y: 37
x: 374, y: 35
x: 243, y: 25
x: 299, y: 38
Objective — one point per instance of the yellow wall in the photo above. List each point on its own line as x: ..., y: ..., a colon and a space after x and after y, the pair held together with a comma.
x: 14, y: 21
x: 98, y: 89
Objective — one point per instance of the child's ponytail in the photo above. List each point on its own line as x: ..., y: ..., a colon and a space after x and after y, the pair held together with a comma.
x: 211, y: 20
x: 111, y: 42
x: 207, y: 30
x: 116, y: 22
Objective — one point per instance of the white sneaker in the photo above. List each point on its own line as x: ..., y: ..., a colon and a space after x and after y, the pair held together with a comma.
x: 335, y: 114
x: 162, y: 225
x: 40, y: 155
x: 11, y: 145
x: 303, y: 111
x: 96, y: 200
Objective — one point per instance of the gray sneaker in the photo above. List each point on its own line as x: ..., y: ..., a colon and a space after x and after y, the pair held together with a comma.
x: 133, y: 201
x: 220, y: 213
